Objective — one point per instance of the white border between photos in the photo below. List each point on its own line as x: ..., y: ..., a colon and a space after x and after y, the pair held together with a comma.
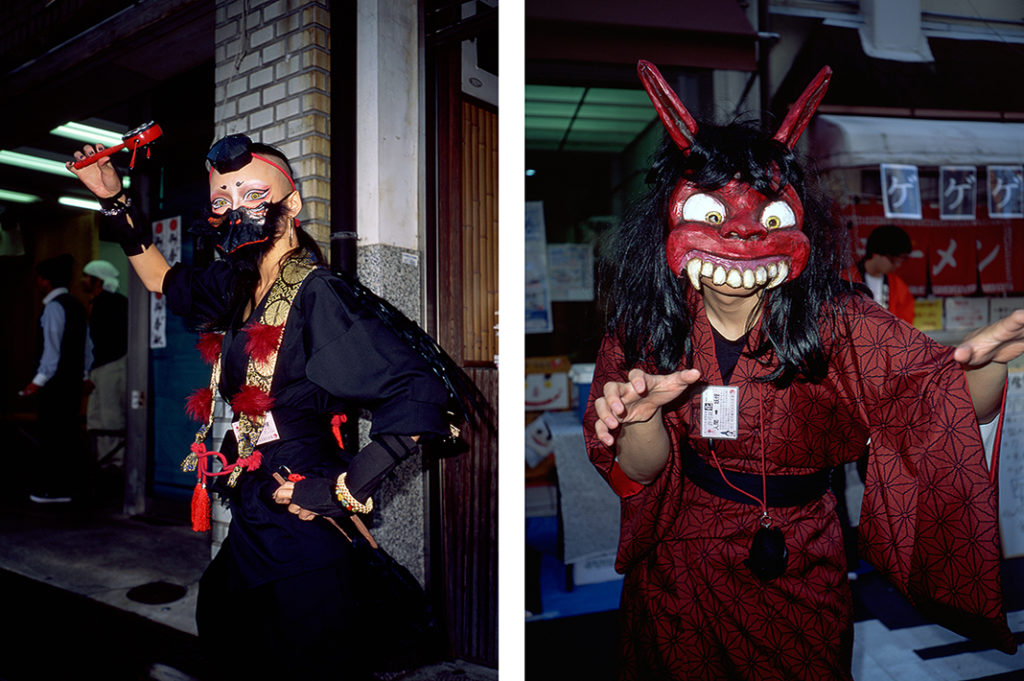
x: 511, y: 198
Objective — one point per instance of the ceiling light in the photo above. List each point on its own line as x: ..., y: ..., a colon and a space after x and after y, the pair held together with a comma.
x: 41, y: 164
x: 17, y: 197
x: 88, y: 134
x: 33, y: 162
x: 78, y: 203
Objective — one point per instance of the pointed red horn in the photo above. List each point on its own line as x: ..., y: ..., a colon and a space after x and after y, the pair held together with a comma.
x: 799, y: 115
x: 677, y: 119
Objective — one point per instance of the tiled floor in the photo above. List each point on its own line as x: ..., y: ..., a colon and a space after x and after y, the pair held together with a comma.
x: 891, y: 641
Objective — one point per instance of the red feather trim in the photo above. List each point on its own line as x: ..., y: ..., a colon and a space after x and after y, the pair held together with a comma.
x: 264, y: 340
x: 200, y: 508
x: 209, y: 346
x: 253, y: 461
x: 252, y: 401
x: 199, y: 404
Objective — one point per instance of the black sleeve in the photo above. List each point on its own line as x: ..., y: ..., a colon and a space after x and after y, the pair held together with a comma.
x: 199, y: 294
x: 353, y: 355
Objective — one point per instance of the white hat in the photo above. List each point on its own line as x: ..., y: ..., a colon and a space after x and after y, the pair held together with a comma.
x: 101, y: 269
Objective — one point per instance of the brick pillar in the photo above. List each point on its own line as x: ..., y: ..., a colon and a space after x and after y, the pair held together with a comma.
x: 272, y: 82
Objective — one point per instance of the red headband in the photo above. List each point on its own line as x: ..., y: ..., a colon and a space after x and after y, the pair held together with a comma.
x: 270, y: 163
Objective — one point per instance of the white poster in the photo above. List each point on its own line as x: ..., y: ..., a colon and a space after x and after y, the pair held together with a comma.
x: 964, y: 314
x: 538, y: 299
x: 571, y: 271
x: 167, y: 239
x: 958, y: 192
x: 901, y: 191
x: 1005, y: 195
x: 1011, y: 469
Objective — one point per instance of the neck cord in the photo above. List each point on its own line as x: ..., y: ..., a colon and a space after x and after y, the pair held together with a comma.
x: 766, y: 520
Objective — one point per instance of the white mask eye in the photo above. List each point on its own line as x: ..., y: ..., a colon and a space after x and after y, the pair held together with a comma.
x: 703, y: 208
x: 777, y: 215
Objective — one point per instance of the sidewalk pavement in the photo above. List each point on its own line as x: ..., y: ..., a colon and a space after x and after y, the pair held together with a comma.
x: 132, y: 564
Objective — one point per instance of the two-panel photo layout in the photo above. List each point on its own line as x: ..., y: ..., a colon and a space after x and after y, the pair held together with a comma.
x: 292, y: 285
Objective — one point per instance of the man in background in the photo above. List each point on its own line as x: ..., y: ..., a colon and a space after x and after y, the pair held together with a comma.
x: 108, y: 332
x: 57, y: 384
x: 888, y: 246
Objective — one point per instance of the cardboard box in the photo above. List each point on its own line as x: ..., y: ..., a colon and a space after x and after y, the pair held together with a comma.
x: 547, y: 383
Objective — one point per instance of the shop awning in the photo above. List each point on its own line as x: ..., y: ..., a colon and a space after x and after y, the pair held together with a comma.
x: 705, y: 34
x: 858, y: 141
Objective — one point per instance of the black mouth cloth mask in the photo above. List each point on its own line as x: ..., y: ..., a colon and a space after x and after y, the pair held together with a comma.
x: 240, y: 227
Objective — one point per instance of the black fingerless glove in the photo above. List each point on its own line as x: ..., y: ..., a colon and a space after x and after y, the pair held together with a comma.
x: 317, y: 495
x: 115, y: 211
x: 365, y: 473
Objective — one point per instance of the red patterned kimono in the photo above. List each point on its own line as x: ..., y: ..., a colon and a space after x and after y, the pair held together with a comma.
x: 692, y: 610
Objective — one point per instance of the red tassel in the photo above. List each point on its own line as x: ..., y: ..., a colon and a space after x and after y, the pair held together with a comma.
x: 252, y: 401
x: 264, y: 341
x: 209, y: 346
x: 295, y: 477
x: 336, y: 422
x: 200, y: 508
x: 199, y: 404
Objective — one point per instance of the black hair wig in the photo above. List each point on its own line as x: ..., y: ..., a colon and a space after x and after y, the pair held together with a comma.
x: 646, y: 303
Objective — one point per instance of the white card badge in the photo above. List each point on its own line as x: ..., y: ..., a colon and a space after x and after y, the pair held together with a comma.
x: 719, y: 413
x: 268, y: 434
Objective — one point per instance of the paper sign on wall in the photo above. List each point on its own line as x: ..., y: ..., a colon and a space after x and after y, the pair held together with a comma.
x: 167, y: 236
x: 901, y: 191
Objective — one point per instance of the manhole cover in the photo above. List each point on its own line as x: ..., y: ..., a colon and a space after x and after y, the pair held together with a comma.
x: 156, y: 593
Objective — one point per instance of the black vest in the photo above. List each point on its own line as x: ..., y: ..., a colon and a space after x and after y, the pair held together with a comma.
x: 71, y: 366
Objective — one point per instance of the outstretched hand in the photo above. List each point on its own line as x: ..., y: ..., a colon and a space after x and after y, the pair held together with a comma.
x: 1000, y: 342
x: 100, y: 178
x: 638, y: 399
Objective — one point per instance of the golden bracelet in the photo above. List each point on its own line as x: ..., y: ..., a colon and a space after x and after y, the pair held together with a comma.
x: 348, y: 501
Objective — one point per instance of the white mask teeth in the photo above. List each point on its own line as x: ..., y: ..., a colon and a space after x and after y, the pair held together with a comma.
x: 719, y: 276
x: 761, y: 275
x: 748, y: 278
x: 773, y: 269
x: 693, y: 272
x: 780, y: 277
x: 707, y: 269
x: 734, y: 279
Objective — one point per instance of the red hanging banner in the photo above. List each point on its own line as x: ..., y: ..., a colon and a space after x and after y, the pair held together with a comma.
x: 994, y: 246
x: 952, y: 261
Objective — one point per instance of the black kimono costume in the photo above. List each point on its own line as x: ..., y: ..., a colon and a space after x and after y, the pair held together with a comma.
x: 279, y: 594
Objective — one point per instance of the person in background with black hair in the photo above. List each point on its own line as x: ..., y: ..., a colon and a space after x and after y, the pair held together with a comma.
x: 57, y: 384
x: 292, y: 347
x: 888, y: 246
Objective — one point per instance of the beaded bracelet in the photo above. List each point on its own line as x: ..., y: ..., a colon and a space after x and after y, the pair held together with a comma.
x: 348, y: 501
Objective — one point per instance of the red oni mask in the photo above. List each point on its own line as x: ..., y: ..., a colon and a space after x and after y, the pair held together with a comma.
x: 734, y: 235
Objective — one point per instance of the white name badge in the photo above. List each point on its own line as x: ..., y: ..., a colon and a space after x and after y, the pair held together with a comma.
x: 268, y: 434
x: 719, y: 412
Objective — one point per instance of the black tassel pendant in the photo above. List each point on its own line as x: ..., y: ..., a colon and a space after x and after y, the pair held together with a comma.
x: 768, y: 554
